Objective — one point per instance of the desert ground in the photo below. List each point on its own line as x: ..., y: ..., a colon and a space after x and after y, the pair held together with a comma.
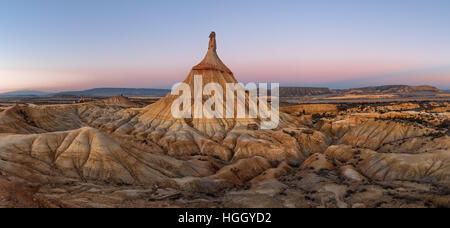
x: 100, y: 154
x: 371, y: 147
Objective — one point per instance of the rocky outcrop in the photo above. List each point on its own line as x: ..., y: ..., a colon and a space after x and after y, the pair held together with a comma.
x: 373, y: 134
x: 114, y: 141
x: 310, y: 109
x: 430, y: 167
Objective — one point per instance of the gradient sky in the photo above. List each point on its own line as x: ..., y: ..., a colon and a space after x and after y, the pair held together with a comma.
x: 56, y: 45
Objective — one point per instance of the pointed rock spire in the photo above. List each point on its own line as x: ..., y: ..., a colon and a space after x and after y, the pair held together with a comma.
x: 212, y: 42
x: 212, y: 60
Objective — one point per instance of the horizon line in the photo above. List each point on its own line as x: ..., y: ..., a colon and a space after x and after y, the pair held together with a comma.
x: 281, y: 85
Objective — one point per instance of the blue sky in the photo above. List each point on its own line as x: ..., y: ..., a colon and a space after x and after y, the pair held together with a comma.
x: 56, y: 45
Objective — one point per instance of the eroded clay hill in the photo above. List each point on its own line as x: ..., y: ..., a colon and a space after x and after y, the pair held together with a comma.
x: 111, y: 153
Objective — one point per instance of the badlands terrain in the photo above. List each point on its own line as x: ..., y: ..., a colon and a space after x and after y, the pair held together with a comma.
x: 105, y: 154
x: 120, y: 152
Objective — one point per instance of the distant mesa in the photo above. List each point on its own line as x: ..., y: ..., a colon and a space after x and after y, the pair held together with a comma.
x: 97, y: 92
x: 387, y: 89
x: 303, y: 91
x: 207, y: 63
x: 23, y: 93
x: 112, y: 92
x: 398, y: 89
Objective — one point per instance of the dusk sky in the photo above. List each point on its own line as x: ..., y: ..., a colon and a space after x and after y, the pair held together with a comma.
x: 56, y: 45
